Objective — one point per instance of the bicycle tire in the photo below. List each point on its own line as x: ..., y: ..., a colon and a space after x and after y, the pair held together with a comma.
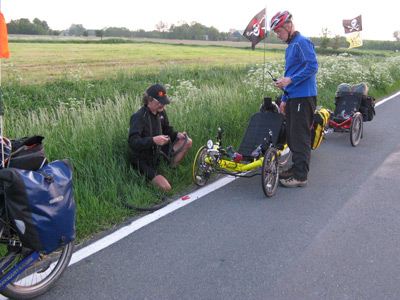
x: 201, y: 170
x: 270, y: 172
x: 356, y: 129
x: 41, y: 276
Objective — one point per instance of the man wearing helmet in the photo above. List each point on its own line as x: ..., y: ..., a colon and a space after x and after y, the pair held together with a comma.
x: 300, y: 98
x: 151, y: 136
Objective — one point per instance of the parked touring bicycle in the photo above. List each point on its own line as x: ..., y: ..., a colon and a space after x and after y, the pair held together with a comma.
x: 37, y: 218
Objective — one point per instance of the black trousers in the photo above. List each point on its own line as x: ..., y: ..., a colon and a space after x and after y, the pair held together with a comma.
x: 299, y: 119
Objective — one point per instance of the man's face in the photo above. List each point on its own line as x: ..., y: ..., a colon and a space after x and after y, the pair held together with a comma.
x: 282, y: 33
x: 155, y: 106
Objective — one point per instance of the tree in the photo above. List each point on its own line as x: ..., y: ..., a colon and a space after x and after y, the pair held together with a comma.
x: 336, y: 42
x: 76, y: 29
x: 396, y: 35
x: 213, y: 34
x: 325, y: 38
x: 117, y: 32
x: 22, y: 26
x: 161, y: 26
x: 41, y: 25
x: 100, y: 33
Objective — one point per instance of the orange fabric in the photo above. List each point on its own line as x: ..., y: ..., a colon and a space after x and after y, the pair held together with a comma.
x: 4, y: 51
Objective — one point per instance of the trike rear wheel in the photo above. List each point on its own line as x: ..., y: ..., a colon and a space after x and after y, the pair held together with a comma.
x: 201, y: 169
x: 270, y: 172
x: 356, y: 129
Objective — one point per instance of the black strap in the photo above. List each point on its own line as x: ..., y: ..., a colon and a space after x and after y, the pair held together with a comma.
x: 47, y: 177
x: 151, y: 208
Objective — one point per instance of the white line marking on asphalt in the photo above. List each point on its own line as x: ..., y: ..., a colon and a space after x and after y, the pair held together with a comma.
x: 387, y: 99
x: 147, y: 219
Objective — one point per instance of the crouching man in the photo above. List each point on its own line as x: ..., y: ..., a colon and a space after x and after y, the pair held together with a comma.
x: 151, y: 137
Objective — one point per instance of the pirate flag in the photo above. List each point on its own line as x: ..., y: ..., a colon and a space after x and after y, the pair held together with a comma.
x: 255, y: 32
x: 355, y: 40
x: 353, y: 25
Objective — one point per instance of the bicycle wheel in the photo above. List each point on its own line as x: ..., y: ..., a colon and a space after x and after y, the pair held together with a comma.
x: 270, y: 172
x: 356, y: 129
x: 201, y: 169
x: 41, y: 275
x: 285, y: 157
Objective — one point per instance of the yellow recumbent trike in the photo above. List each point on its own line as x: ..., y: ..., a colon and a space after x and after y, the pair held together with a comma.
x: 263, y: 145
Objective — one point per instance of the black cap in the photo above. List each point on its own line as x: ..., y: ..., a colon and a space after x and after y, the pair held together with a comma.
x: 158, y: 92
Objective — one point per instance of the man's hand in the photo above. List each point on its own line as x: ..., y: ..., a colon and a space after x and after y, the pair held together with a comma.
x: 160, y: 140
x: 283, y: 82
x: 282, y: 108
x: 181, y: 135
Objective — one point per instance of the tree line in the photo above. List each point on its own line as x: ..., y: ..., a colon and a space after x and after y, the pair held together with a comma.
x: 185, y: 31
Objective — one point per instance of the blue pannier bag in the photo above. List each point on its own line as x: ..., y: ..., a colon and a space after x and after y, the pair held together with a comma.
x: 41, y: 205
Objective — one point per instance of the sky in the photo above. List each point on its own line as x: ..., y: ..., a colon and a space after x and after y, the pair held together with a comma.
x: 380, y: 19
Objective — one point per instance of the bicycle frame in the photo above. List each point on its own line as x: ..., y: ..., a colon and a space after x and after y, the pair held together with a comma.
x: 343, y: 125
x: 238, y: 167
x: 17, y: 269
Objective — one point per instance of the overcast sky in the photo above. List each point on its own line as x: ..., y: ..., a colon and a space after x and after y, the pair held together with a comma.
x: 380, y: 18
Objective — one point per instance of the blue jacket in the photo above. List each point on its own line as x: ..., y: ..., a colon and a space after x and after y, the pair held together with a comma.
x: 302, y: 67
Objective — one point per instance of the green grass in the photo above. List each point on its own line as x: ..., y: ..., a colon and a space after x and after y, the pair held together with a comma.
x: 87, y: 119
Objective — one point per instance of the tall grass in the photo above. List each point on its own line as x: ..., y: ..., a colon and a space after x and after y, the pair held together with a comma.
x: 88, y: 122
x: 94, y: 137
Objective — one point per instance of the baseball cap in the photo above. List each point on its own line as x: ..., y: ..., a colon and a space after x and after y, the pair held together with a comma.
x: 158, y: 92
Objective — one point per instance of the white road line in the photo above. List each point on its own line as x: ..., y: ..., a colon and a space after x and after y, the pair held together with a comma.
x: 147, y: 219
x: 387, y: 99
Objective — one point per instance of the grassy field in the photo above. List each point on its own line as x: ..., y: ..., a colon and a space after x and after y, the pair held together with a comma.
x: 33, y: 63
x: 81, y: 96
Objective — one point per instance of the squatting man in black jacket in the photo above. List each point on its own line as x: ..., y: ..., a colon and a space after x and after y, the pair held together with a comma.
x: 152, y: 136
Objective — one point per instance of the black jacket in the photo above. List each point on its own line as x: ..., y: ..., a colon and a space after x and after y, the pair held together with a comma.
x: 143, y: 126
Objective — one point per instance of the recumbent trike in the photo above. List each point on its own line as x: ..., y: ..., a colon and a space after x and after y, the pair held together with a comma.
x: 353, y: 106
x: 263, y: 145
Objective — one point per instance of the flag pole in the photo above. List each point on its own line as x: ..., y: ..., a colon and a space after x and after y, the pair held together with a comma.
x: 265, y: 42
x: 1, y: 118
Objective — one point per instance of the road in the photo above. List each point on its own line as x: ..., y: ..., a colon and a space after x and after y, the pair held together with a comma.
x: 337, y: 238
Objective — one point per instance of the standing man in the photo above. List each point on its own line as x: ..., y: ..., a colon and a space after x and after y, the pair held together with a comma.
x: 151, y: 137
x: 300, y: 98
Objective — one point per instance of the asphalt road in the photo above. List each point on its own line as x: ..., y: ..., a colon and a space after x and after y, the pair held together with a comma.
x: 337, y: 238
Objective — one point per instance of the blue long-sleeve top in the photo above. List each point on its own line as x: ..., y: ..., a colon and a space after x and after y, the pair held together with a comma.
x: 302, y: 67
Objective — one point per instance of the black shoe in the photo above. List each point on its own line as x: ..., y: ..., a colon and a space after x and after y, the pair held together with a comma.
x: 286, y: 174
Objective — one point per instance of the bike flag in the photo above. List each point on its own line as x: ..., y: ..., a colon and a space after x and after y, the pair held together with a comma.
x: 355, y: 40
x: 353, y: 25
x: 4, y: 51
x: 256, y: 30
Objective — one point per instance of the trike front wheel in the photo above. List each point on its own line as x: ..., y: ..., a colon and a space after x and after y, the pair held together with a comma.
x: 270, y: 172
x: 201, y: 169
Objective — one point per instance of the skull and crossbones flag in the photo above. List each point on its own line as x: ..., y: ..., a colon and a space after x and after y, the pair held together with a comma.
x: 353, y: 25
x: 256, y: 31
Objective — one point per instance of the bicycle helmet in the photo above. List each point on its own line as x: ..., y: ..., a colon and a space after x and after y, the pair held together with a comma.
x: 6, y: 147
x: 280, y: 18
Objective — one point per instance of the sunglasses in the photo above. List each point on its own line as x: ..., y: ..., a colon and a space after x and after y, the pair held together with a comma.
x: 159, y: 103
